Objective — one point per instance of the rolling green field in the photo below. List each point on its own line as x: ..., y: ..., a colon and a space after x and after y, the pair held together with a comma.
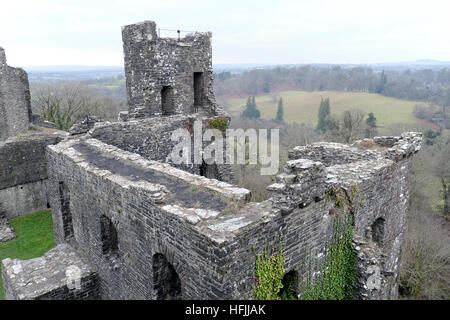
x: 303, y: 106
x: 110, y: 84
x: 34, y: 237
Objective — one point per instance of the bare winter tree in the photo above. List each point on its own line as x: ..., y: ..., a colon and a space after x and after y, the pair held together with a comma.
x: 65, y: 103
x: 349, y: 126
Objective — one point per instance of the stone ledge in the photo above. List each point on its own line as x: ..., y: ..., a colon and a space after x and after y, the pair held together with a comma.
x: 219, y: 188
x: 59, y: 274
x: 6, y: 231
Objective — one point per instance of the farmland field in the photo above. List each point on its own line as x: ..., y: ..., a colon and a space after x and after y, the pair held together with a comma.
x: 303, y: 106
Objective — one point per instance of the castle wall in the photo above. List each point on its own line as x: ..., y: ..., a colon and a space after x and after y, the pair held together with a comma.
x: 381, y: 208
x: 15, y: 107
x: 25, y: 198
x: 99, y: 187
x: 153, y: 64
x: 302, y: 233
x: 23, y: 168
x: 212, y: 247
x: 151, y: 138
x: 23, y: 173
x: 376, y: 184
x: 305, y: 231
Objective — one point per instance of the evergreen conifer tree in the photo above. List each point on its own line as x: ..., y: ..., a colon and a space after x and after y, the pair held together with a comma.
x: 251, y: 111
x: 280, y: 111
x: 371, y: 128
x: 324, y: 112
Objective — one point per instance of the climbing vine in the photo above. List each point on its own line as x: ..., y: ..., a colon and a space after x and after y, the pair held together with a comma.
x: 269, y: 271
x: 334, y: 277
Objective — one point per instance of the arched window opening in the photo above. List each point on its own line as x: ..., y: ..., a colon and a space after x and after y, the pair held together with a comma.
x: 110, y: 243
x: 166, y: 283
x: 64, y: 197
x: 378, y: 231
x: 290, y: 286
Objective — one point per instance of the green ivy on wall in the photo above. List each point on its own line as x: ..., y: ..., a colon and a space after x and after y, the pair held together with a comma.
x: 334, y: 278
x: 331, y: 279
x: 269, y: 271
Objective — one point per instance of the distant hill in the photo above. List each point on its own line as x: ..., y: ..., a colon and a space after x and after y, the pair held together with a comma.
x: 67, y: 72
x: 80, y: 72
x: 412, y: 65
x: 71, y: 68
x: 394, y: 66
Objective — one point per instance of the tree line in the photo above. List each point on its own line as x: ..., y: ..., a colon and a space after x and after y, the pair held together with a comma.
x: 428, y: 85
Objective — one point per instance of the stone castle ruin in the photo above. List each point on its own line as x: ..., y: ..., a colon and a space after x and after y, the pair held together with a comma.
x: 23, y: 138
x: 15, y: 106
x: 129, y: 224
x: 166, y: 76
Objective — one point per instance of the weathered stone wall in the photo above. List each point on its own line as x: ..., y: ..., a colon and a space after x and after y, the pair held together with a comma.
x: 302, y: 232
x: 6, y: 231
x: 23, y: 168
x: 148, y: 137
x: 61, y: 274
x: 210, y: 242
x: 160, y: 71
x: 151, y: 138
x: 140, y: 198
x: 145, y: 229
x: 23, y: 172
x: 15, y: 106
x: 375, y: 183
x: 23, y: 199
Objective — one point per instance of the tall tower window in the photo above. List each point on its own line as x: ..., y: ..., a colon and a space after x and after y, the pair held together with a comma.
x: 378, y: 231
x: 110, y: 245
x: 64, y: 197
x: 167, y: 101
x: 199, y: 85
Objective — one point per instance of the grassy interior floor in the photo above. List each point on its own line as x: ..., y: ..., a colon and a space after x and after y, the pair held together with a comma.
x: 34, y: 237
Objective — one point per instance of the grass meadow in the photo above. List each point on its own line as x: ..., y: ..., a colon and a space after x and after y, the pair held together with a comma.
x: 34, y: 237
x: 303, y: 106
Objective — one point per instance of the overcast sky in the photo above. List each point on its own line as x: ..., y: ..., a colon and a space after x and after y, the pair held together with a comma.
x: 87, y: 32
